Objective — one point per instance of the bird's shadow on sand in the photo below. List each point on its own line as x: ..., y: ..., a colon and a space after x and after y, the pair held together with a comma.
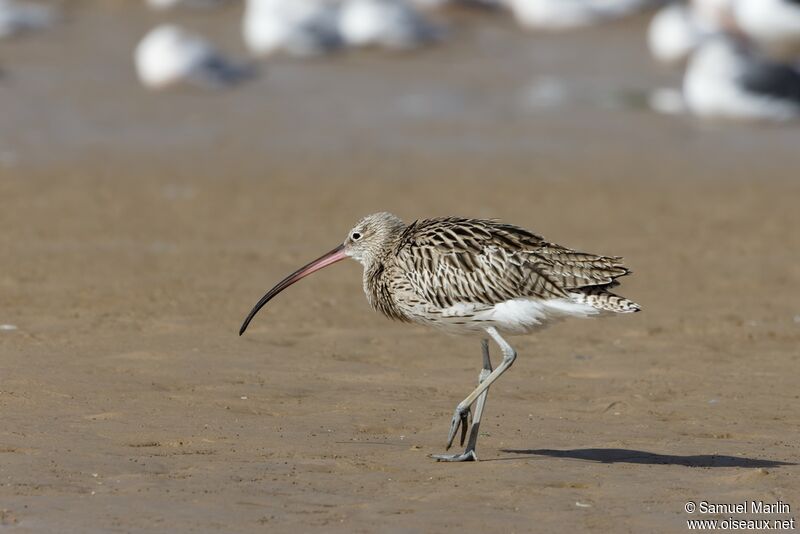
x: 613, y: 456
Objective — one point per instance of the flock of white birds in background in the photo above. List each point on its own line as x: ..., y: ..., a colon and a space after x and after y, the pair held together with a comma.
x: 170, y: 55
x: 741, y: 57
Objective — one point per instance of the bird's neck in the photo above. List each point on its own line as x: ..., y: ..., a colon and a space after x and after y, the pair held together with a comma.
x: 378, y: 292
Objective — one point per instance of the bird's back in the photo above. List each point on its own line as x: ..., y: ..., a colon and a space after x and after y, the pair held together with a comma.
x: 465, y: 273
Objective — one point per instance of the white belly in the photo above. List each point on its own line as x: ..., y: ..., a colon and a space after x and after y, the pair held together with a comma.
x: 517, y: 316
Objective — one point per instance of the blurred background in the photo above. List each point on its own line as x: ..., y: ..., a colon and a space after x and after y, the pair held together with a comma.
x: 548, y: 79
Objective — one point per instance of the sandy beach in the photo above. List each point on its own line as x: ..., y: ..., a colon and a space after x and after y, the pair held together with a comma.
x: 139, y: 229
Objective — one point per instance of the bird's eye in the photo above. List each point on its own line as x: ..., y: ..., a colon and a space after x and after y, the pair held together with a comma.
x: 356, y: 236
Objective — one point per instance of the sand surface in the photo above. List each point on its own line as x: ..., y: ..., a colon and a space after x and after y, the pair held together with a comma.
x: 138, y: 230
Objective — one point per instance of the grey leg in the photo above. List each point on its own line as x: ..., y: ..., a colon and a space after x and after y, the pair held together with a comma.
x: 469, y: 453
x: 509, y: 355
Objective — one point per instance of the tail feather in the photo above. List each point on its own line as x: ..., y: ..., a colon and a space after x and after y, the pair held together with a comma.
x: 602, y: 299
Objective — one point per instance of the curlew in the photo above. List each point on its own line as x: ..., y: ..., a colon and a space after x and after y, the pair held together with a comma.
x: 471, y: 276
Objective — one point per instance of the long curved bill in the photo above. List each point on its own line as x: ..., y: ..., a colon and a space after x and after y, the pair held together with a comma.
x: 331, y: 257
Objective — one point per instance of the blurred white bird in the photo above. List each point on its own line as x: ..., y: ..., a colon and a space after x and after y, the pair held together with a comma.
x: 169, y: 55
x: 667, y: 101
x: 431, y: 4
x: 296, y: 27
x: 773, y: 25
x: 674, y: 33
x: 438, y: 4
x: 164, y: 5
x: 19, y: 17
x: 568, y: 14
x: 726, y: 80
x: 388, y: 23
x: 714, y: 14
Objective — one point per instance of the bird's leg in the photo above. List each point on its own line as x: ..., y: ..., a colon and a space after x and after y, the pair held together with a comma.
x: 469, y: 452
x: 509, y: 355
x: 466, y: 417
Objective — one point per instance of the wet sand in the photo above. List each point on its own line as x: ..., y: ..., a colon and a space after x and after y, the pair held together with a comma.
x: 132, y: 250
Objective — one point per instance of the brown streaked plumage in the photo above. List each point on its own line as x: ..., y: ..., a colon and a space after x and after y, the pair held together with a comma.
x: 472, y: 276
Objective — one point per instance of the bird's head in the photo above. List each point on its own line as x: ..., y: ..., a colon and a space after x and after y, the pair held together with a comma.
x: 366, y: 243
x: 369, y: 238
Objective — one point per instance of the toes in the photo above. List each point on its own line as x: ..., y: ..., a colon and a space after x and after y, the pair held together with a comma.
x: 466, y: 456
x: 454, y: 424
x: 460, y: 420
x: 464, y: 424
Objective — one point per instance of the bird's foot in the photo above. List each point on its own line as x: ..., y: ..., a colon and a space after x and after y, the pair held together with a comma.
x: 461, y: 419
x: 467, y: 456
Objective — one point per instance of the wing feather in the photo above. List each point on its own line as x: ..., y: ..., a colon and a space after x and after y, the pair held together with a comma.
x: 454, y: 260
